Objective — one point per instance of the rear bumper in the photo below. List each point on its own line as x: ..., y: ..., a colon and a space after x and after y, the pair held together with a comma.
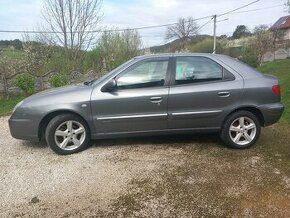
x: 23, y: 129
x: 271, y: 113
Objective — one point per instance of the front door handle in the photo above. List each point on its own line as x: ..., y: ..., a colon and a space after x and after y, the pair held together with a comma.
x: 156, y: 100
x: 223, y: 94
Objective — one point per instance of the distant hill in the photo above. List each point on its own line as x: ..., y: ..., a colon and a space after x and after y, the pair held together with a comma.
x: 174, y: 43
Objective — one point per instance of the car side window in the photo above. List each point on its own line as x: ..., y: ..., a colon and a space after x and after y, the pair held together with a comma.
x: 197, y: 69
x: 147, y: 74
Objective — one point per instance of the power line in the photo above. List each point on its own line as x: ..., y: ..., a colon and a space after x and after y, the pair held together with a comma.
x: 244, y: 6
x: 164, y: 25
x: 206, y: 23
x: 257, y: 9
x: 234, y: 11
x: 99, y: 31
x: 199, y: 28
x: 229, y: 12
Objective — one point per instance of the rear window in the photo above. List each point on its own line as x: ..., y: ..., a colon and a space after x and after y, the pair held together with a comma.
x: 240, y: 67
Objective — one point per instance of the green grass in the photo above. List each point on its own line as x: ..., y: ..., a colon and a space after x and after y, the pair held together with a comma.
x: 7, y: 105
x: 12, y: 54
x: 281, y: 69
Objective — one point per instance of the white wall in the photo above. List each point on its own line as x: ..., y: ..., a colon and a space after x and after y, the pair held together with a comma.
x: 287, y: 34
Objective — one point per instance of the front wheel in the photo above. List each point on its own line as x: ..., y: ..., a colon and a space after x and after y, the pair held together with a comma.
x: 67, y: 134
x: 241, y: 130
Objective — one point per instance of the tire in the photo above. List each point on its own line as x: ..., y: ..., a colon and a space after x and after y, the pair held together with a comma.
x: 241, y: 130
x: 67, y: 134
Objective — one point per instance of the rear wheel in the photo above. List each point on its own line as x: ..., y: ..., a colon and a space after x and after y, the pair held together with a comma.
x: 241, y: 130
x: 67, y: 134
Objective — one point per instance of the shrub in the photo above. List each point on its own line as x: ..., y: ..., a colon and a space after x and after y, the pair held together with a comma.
x: 93, y: 60
x: 26, y: 83
x: 206, y: 46
x: 58, y: 79
x: 249, y: 57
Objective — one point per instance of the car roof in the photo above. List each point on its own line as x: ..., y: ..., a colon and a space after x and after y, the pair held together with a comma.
x: 209, y: 55
x: 176, y: 55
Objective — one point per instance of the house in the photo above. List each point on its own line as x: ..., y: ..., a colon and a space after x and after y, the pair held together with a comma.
x: 282, y: 44
x: 283, y: 24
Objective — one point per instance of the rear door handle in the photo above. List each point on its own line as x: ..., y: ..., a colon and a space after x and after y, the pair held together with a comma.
x: 223, y: 94
x: 156, y: 100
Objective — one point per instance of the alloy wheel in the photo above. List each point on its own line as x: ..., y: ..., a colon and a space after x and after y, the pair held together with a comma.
x: 70, y: 135
x: 242, y: 130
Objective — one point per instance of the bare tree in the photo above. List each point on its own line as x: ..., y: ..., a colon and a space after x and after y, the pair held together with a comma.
x: 278, y: 34
x: 288, y: 5
x: 183, y: 30
x: 37, y: 56
x: 71, y: 23
x: 10, y: 67
x: 263, y: 41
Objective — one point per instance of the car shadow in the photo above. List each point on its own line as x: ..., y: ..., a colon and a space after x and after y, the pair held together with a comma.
x: 32, y: 144
x: 174, y: 140
x: 178, y: 140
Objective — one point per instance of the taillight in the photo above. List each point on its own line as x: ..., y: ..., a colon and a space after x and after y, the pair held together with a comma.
x: 276, y: 89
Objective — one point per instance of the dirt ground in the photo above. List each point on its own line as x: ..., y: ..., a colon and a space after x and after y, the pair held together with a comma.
x: 168, y: 176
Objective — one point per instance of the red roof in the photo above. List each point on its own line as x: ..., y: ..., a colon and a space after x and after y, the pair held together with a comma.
x: 282, y: 23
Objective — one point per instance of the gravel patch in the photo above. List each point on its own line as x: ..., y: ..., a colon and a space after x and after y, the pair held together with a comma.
x: 169, y: 176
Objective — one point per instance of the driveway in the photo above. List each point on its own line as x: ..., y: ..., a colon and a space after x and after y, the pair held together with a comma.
x: 168, y: 176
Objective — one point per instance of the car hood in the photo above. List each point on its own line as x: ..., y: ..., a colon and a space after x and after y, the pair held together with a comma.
x: 66, y: 94
x: 55, y: 91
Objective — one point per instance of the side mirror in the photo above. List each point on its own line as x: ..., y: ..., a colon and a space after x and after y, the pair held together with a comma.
x: 110, y: 86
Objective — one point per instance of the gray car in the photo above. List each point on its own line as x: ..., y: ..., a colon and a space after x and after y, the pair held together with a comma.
x: 154, y: 94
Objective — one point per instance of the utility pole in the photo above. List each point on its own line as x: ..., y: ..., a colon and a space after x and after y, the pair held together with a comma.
x: 214, y: 33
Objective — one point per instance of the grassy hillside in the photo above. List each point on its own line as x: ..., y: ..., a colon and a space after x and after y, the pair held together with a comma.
x: 166, y: 47
x: 281, y: 69
x: 12, y: 53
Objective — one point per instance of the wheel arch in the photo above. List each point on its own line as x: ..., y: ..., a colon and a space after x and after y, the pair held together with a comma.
x: 251, y: 109
x: 48, y: 117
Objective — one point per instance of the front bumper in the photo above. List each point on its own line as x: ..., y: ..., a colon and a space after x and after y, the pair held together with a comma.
x: 23, y: 129
x: 271, y: 113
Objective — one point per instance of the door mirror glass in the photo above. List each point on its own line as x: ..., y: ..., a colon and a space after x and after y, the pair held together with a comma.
x: 110, y: 86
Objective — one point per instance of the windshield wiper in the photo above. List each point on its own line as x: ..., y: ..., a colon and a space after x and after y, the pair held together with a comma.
x: 90, y: 82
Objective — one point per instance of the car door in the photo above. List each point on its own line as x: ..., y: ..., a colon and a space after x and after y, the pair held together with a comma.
x: 139, y: 102
x: 202, y: 93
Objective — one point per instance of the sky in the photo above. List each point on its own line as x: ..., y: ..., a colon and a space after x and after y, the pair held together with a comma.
x: 26, y: 15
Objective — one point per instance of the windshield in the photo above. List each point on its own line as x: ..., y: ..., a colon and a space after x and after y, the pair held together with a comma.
x: 113, y: 71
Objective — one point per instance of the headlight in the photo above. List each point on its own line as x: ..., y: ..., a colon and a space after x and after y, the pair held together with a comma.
x: 19, y: 103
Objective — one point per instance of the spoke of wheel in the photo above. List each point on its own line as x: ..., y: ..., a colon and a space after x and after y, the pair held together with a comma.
x: 69, y: 125
x: 242, y: 121
x: 247, y: 137
x: 60, y: 133
x: 64, y: 143
x: 234, y: 129
x: 251, y: 126
x: 76, y: 142
x: 238, y: 137
x: 79, y: 130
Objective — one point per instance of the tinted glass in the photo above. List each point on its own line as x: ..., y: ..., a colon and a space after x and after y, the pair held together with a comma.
x: 197, y: 69
x: 147, y: 74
